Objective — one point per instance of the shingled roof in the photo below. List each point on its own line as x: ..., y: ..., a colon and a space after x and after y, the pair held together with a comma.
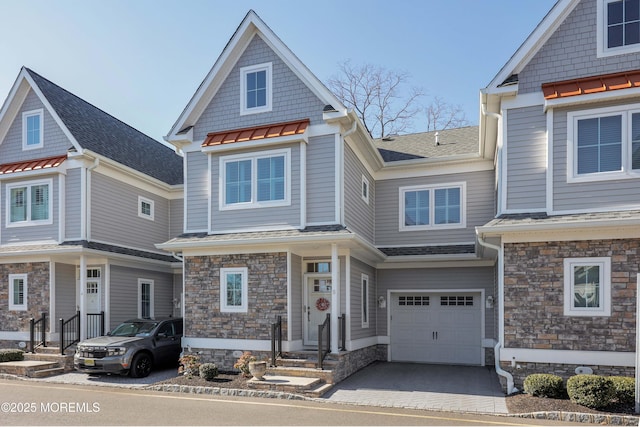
x: 103, y: 134
x: 451, y: 142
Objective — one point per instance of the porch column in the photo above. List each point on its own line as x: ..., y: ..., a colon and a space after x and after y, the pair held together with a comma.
x: 335, y: 297
x: 83, y: 297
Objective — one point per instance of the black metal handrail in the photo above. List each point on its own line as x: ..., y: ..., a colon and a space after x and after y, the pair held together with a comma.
x: 95, y: 324
x: 324, y: 329
x: 37, y: 331
x: 69, y: 332
x: 343, y: 332
x: 276, y: 340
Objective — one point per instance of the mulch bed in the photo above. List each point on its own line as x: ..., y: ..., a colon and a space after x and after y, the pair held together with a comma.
x: 224, y: 379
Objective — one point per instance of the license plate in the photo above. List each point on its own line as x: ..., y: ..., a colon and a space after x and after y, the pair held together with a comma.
x: 89, y: 362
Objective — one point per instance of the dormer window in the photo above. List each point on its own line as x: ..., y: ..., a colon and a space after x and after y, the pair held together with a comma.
x: 255, y: 89
x: 32, y: 130
x: 618, y: 27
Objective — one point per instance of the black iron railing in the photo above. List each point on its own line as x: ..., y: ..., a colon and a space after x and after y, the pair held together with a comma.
x: 69, y: 332
x: 95, y: 324
x: 37, y: 332
x: 343, y: 331
x: 324, y: 340
x: 276, y: 340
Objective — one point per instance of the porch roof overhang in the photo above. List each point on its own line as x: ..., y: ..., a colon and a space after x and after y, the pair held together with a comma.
x: 592, y: 84
x: 32, y: 165
x: 274, y: 133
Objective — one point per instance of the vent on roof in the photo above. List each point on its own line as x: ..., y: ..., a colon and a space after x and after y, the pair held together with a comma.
x: 437, y: 135
x: 390, y: 137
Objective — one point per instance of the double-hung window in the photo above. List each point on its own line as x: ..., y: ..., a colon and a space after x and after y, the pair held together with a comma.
x: 255, y: 89
x: 18, y: 292
x: 603, y: 144
x: 618, y: 27
x: 233, y: 290
x: 255, y: 180
x: 432, y: 207
x: 29, y: 203
x: 587, y: 286
x: 32, y: 132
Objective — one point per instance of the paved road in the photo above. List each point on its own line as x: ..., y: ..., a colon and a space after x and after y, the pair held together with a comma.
x: 38, y: 403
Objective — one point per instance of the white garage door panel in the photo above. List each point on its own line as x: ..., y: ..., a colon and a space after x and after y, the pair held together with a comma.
x: 425, y: 330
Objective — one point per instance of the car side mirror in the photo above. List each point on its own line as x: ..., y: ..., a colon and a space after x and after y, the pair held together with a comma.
x: 161, y: 335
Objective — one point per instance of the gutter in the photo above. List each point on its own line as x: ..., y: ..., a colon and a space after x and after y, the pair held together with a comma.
x: 496, y: 351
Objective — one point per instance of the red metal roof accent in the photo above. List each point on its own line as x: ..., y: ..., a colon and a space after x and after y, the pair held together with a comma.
x: 594, y: 84
x: 255, y: 133
x: 32, y: 165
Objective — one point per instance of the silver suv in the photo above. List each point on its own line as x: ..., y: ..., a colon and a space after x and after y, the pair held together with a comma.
x: 133, y: 347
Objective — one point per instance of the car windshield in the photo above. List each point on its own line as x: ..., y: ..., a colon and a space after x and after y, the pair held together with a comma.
x: 131, y: 329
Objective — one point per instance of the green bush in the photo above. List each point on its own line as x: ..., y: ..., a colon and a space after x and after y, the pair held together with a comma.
x: 544, y: 385
x: 208, y: 371
x: 11, y: 355
x: 625, y: 389
x: 592, y: 391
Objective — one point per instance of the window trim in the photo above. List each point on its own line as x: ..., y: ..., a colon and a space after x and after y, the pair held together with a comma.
x: 243, y: 271
x: 605, y: 288
x: 12, y: 305
x: 431, y: 188
x: 602, y: 51
x: 25, y: 115
x: 28, y: 222
x: 254, y: 157
x: 151, y: 203
x: 151, y: 296
x: 572, y: 144
x: 365, y: 185
x: 268, y: 67
x: 365, y: 306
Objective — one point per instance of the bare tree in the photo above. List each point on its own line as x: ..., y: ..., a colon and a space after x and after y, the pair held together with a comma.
x: 442, y: 115
x: 378, y: 96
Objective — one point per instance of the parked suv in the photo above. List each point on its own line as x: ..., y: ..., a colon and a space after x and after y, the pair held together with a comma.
x: 133, y: 347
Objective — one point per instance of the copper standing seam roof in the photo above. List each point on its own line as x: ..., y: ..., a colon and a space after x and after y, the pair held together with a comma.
x: 31, y: 165
x: 594, y: 84
x: 255, y: 133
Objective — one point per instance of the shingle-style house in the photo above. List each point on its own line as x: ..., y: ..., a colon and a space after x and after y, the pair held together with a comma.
x: 565, y: 111
x: 84, y: 199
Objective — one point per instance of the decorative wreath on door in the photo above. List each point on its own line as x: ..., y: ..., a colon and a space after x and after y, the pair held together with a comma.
x: 322, y: 304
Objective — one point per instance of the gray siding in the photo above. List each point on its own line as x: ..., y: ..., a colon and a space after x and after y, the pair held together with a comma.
x: 55, y: 143
x: 237, y: 219
x: 176, y: 217
x: 321, y: 176
x: 358, y: 215
x: 73, y: 204
x: 480, y: 210
x: 295, y: 323
x: 437, y: 278
x: 65, y: 291
x: 571, y: 53
x: 357, y: 269
x: 114, y: 215
x: 292, y: 100
x: 196, y: 193
x: 526, y: 158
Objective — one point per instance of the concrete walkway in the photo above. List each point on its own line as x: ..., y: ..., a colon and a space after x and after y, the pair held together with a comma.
x: 417, y: 386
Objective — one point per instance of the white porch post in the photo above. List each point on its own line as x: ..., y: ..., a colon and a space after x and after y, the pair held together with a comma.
x: 335, y: 298
x: 83, y: 297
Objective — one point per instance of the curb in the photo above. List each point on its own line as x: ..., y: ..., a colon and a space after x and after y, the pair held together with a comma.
x: 222, y: 391
x: 579, y: 417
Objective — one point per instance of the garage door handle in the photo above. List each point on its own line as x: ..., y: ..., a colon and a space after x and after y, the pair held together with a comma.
x: 436, y: 334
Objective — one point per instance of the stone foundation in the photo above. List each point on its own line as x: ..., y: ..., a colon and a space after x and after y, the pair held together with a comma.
x: 37, y: 295
x: 353, y: 361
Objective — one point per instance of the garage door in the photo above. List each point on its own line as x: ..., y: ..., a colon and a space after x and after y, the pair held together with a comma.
x: 436, y: 328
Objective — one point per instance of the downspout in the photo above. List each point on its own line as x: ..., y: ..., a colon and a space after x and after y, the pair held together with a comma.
x: 496, y: 350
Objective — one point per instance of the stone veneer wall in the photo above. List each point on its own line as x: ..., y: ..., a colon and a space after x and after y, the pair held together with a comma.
x: 37, y: 295
x: 267, y: 299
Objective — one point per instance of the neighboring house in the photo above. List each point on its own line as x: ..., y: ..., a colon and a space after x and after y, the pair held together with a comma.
x: 292, y: 210
x: 568, y: 165
x: 83, y: 199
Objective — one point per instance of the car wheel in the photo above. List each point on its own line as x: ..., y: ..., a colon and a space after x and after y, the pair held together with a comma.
x: 141, y: 365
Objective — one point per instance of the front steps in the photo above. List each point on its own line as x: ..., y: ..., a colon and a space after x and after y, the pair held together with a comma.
x: 45, y: 362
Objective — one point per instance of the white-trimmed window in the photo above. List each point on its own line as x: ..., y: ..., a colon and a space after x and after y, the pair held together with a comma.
x: 587, y: 286
x: 145, y: 208
x: 32, y: 129
x: 365, y: 189
x: 364, y: 294
x: 29, y: 203
x: 255, y: 88
x: 255, y: 180
x: 233, y: 290
x: 618, y: 27
x: 145, y: 299
x: 432, y: 207
x: 18, y: 292
x: 603, y: 144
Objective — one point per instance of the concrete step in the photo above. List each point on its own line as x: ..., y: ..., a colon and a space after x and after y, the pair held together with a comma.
x: 305, y: 363
x: 312, y: 387
x: 288, y: 371
x: 23, y: 368
x: 43, y: 373
x: 65, y: 361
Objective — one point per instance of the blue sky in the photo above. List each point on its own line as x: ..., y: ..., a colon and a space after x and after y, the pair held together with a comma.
x: 142, y: 60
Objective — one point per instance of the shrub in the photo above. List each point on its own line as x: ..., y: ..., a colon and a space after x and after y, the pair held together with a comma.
x: 592, y: 391
x: 208, y: 371
x: 544, y: 385
x: 242, y: 363
x: 11, y: 355
x: 625, y: 389
x: 189, y: 365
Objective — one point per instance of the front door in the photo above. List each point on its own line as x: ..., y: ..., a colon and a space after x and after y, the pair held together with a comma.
x: 317, y: 305
x: 94, y: 318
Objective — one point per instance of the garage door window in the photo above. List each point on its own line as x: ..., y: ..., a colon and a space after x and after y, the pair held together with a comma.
x: 456, y: 300
x: 413, y: 300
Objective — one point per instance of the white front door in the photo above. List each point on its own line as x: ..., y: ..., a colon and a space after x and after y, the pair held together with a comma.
x: 317, y: 305
x: 93, y: 290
